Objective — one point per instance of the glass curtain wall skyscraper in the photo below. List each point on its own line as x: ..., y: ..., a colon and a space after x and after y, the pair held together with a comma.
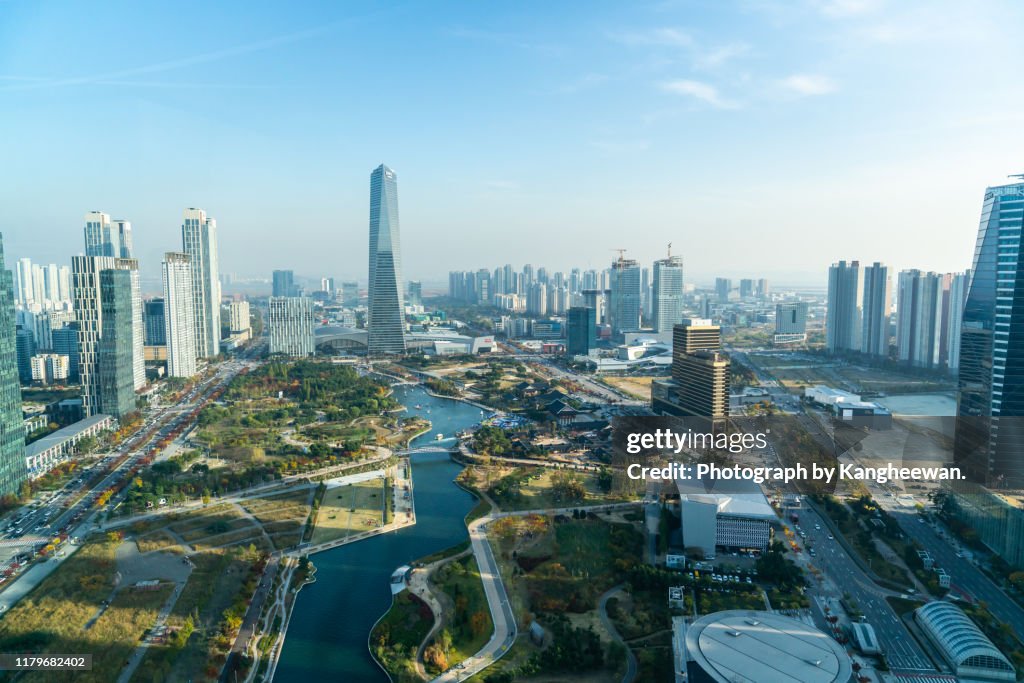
x: 12, y: 430
x: 116, y: 346
x: 385, y: 320
x: 989, y: 443
x: 624, y: 304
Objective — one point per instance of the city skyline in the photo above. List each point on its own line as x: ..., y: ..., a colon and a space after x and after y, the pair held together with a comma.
x: 654, y: 101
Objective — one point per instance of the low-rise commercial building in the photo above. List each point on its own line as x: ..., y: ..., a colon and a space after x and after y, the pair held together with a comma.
x: 43, y: 455
x: 740, y: 646
x: 733, y: 514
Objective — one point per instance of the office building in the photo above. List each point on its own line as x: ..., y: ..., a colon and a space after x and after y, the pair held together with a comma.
x: 876, y: 307
x: 844, y: 318
x: 116, y: 344
x: 126, y: 246
x: 100, y: 238
x: 48, y: 368
x: 327, y: 286
x: 25, y: 343
x: 747, y: 288
x: 238, y: 317
x: 919, y: 318
x: 699, y: 386
x: 723, y: 288
x: 199, y: 241
x: 624, y: 298
x: 179, y: 314
x: 791, y: 323
x: 667, y: 306
x: 349, y: 293
x: 131, y: 265
x: 416, y: 293
x: 12, y: 428
x: 65, y: 343
x: 989, y: 441
x: 696, y: 334
x: 385, y: 318
x: 290, y: 326
x: 156, y: 325
x: 283, y: 284
x: 582, y: 334
x: 85, y: 289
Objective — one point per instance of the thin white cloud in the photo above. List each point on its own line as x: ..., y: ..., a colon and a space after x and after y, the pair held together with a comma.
x: 717, y: 56
x: 667, y: 36
x: 704, y: 92
x: 848, y: 8
x: 808, y: 84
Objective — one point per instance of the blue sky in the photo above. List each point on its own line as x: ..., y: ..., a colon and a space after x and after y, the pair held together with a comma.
x: 760, y: 138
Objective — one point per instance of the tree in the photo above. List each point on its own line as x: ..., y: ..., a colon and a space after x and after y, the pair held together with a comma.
x: 478, y: 623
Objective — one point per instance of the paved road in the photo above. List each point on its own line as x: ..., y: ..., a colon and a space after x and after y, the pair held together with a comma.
x: 135, y: 445
x: 901, y: 650
x: 498, y: 603
x: 964, y: 575
x: 631, y: 666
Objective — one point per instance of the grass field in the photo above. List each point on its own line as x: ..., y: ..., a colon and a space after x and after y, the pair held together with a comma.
x: 537, y: 491
x: 350, y: 509
x: 640, y: 387
x: 53, y: 617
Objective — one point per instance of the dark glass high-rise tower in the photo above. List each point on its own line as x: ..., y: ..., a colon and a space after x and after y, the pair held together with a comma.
x: 116, y: 380
x: 12, y: 430
x: 385, y: 320
x: 989, y: 436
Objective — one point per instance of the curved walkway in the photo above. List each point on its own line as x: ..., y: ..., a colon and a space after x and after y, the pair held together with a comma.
x: 631, y: 666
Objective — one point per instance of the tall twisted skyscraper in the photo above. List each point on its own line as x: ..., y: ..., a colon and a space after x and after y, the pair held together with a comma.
x: 12, y: 431
x: 199, y: 241
x: 990, y: 427
x: 385, y: 320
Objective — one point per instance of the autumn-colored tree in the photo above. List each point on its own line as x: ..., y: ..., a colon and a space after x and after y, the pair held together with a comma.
x: 435, y: 658
x: 478, y: 623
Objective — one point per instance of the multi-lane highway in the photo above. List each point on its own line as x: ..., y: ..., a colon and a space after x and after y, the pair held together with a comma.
x: 844, y: 577
x: 80, y: 518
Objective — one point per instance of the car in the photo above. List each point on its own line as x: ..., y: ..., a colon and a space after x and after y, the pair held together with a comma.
x: 831, y: 537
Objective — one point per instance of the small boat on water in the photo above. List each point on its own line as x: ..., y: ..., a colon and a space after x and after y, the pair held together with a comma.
x: 440, y: 436
x: 419, y: 407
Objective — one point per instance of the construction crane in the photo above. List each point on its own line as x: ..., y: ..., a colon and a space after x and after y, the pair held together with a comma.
x: 670, y: 250
x: 622, y: 254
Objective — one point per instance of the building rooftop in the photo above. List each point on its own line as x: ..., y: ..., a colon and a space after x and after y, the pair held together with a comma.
x: 962, y: 642
x: 63, y: 434
x: 736, y: 497
x: 739, y: 646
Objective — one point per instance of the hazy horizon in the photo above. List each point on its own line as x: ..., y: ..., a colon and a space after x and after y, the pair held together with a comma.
x: 762, y: 139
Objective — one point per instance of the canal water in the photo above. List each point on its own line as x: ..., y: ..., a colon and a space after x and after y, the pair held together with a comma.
x: 332, y: 619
